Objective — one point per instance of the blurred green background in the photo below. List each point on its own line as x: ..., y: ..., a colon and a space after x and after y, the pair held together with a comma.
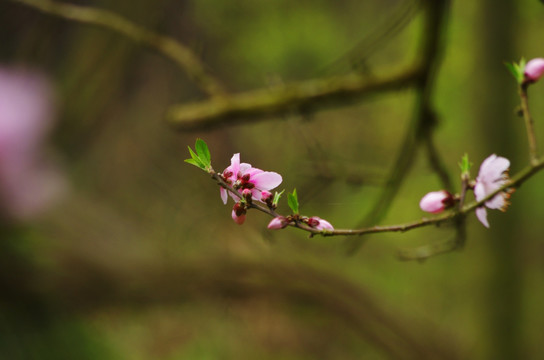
x: 142, y: 260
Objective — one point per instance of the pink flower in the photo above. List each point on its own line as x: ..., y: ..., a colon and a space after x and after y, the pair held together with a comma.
x: 278, y: 222
x: 319, y: 224
x: 242, y: 176
x: 29, y: 181
x: 493, y: 175
x: 534, y: 69
x: 436, y: 201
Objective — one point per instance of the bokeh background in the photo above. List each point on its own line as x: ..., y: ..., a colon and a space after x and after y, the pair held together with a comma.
x: 141, y: 260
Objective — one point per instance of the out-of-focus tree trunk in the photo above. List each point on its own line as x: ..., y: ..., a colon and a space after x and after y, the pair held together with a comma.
x: 496, y: 98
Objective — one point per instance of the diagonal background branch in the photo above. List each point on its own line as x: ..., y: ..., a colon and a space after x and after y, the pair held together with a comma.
x: 165, y: 45
x: 302, y: 97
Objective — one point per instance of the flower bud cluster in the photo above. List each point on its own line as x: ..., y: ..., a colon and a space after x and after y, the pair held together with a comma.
x: 314, y: 222
x: 252, y: 183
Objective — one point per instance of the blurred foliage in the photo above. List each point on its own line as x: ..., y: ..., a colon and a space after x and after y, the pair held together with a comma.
x: 135, y: 206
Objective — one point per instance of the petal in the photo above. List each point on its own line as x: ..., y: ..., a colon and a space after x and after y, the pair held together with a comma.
x: 492, y: 168
x: 223, y: 193
x: 277, y: 223
x: 244, y: 168
x: 496, y: 203
x: 433, y: 202
x: 534, y: 69
x: 500, y: 201
x: 323, y: 225
x: 481, y: 214
x: 266, y: 180
x: 235, y: 164
x: 256, y: 194
x: 479, y: 191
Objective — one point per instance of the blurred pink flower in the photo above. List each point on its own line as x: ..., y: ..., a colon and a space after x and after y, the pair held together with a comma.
x: 493, y: 175
x: 319, y: 224
x: 436, y: 201
x: 29, y: 182
x: 534, y: 69
x: 242, y: 176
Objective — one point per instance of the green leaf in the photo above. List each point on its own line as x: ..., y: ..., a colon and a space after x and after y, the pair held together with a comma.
x: 512, y: 68
x: 277, y: 197
x: 203, y: 152
x: 292, y: 201
x: 195, y: 160
x: 465, y: 165
x: 517, y: 70
x: 522, y: 64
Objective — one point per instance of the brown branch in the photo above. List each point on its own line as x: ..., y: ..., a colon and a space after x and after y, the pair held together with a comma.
x: 514, y: 183
x: 167, y: 46
x: 529, y: 124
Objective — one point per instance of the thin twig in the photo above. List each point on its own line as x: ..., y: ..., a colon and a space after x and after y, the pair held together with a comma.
x: 529, y: 125
x: 514, y: 183
x: 165, y: 45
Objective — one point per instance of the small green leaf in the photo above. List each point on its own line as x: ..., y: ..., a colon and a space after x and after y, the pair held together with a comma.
x: 195, y: 160
x: 203, y: 152
x: 517, y: 70
x: 522, y: 64
x: 512, y: 68
x: 465, y: 165
x: 292, y: 201
x: 277, y: 197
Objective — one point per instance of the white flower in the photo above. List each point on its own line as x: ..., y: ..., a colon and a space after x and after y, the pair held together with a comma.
x: 492, y: 176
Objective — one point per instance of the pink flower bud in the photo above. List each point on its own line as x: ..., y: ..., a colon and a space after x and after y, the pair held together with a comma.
x: 277, y: 223
x: 319, y: 224
x: 266, y: 195
x: 436, y: 201
x: 239, y: 219
x: 534, y: 69
x: 246, y: 192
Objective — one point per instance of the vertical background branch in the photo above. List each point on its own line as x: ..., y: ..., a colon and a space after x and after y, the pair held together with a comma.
x: 423, y: 122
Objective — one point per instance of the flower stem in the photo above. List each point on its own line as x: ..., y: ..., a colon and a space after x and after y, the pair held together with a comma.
x: 533, y: 156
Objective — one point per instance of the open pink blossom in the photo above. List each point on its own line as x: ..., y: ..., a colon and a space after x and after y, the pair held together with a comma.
x: 534, y: 69
x: 436, y: 201
x: 493, y: 175
x: 243, y: 176
x: 319, y: 224
x: 29, y: 181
